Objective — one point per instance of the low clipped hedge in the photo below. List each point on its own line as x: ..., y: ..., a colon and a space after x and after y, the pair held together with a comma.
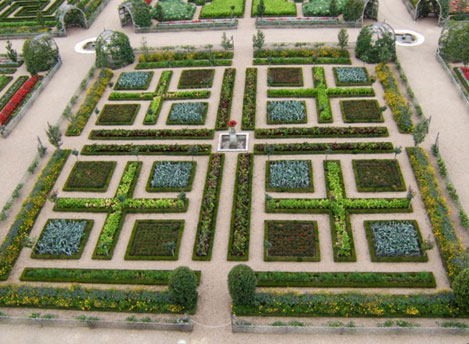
x: 151, y: 134
x: 348, y: 279
x: 129, y: 149
x: 301, y: 61
x: 184, y: 63
x: 320, y: 132
x: 226, y: 99
x: 321, y: 148
x: 101, y: 276
x: 248, y: 121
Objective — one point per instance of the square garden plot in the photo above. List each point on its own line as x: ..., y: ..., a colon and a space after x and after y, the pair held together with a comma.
x: 286, y: 112
x: 155, y: 240
x: 291, y: 241
x: 361, y: 111
x: 62, y: 239
x: 188, y: 113
x: 134, y: 81
x: 171, y: 176
x: 378, y: 175
x: 289, y: 176
x: 351, y: 76
x: 118, y: 114
x: 93, y: 176
x: 196, y: 78
x: 395, y: 241
x: 284, y: 77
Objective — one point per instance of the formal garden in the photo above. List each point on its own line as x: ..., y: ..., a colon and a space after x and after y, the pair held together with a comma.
x: 332, y: 208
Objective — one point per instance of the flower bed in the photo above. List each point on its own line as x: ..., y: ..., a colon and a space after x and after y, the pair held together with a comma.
x: 321, y: 148
x: 196, y: 78
x: 291, y: 241
x: 285, y: 77
x: 118, y: 114
x: 93, y: 176
x: 378, y: 175
x: 317, y: 132
x: 238, y: 246
x: 12, y: 244
x: 62, y: 239
x: 361, y: 111
x: 395, y: 241
x: 351, y: 76
x: 134, y: 81
x: 289, y: 176
x: 155, y: 240
x: 286, y: 112
x: 275, y: 8
x: 226, y: 99
x: 160, y: 149
x: 170, y: 176
x: 249, y: 101
x: 17, y: 99
x: 462, y: 74
x: 151, y: 134
x: 187, y: 113
x: 208, y: 211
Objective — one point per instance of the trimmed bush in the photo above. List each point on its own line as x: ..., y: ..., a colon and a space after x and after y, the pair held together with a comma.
x: 182, y: 287
x: 242, y: 284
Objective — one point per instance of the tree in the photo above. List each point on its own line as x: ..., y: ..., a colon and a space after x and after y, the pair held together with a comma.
x: 158, y: 12
x: 40, y: 18
x: 11, y: 53
x: 269, y: 150
x: 461, y: 289
x: 397, y: 150
x: 258, y: 40
x: 144, y: 48
x: 54, y: 135
x: 242, y: 284
x: 363, y: 43
x: 384, y: 48
x: 193, y: 150
x: 384, y: 55
x: 136, y: 152
x: 226, y: 43
x: 232, y: 9
x: 41, y: 149
x: 75, y: 153
x: 420, y: 131
x: 39, y: 55
x: 182, y: 287
x: 343, y: 38
x: 333, y: 8
x: 170, y: 246
x: 261, y: 8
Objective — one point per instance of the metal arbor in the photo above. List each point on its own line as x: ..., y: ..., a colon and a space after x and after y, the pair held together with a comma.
x: 70, y: 15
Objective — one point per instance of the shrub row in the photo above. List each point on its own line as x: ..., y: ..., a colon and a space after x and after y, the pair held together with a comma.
x: 301, y: 61
x: 238, y: 246
x: 248, y: 121
x: 451, y: 249
x: 93, y: 95
x: 184, y: 63
x: 151, y: 134
x: 104, y: 276
x: 398, y: 104
x: 124, y: 96
x: 162, y: 56
x: 206, y: 226
x: 153, y: 111
x: 322, y: 148
x: 226, y: 99
x: 320, y: 132
x: 128, y: 149
x: 353, y: 279
x: 13, y: 242
x: 313, y: 92
x: 328, y: 52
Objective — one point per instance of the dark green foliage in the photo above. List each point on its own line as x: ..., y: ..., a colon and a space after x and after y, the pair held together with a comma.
x: 378, y: 175
x: 317, y: 132
x: 171, y: 176
x: 370, y: 51
x: 284, y: 77
x: 118, y: 114
x: 461, y: 289
x: 361, y: 111
x: 182, y: 287
x: 242, y: 284
x: 115, y: 53
x: 90, y: 176
x: 334, y: 9
x: 289, y: 176
x: 142, y: 13
x: 196, y: 78
x: 39, y: 55
x: 173, y: 10
x: 353, y: 10
x: 454, y: 45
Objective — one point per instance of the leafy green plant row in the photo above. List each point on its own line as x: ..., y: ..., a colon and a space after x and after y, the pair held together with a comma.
x: 124, y: 96
x: 102, y: 276
x: 206, y: 226
x: 4, y: 80
x: 274, y: 8
x: 301, y: 61
x: 320, y: 132
x: 226, y: 99
x: 248, y: 121
x: 323, y: 148
x: 92, y: 97
x: 130, y: 149
x: 313, y: 92
x: 451, y: 249
x: 223, y: 9
x: 13, y: 242
x: 174, y: 55
x: 151, y: 134
x: 184, y: 63
x: 238, y: 245
x: 353, y: 279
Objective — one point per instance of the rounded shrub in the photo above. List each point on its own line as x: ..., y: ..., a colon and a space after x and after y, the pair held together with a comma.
x: 182, y: 287
x: 461, y: 289
x: 242, y: 284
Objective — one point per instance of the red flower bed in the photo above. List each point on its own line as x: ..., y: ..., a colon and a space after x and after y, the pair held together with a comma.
x: 17, y: 99
x: 465, y: 72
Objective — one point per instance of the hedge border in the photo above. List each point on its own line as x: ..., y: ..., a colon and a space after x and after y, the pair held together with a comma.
x: 236, y: 196
x: 319, y: 132
x: 134, y: 232
x: 271, y: 121
x: 301, y: 61
x: 220, y: 122
x: 210, y: 83
x: 160, y: 149
x: 317, y: 248
x: 89, y: 189
x: 286, y: 189
x: 248, y: 121
x: 350, y: 120
x: 151, y: 134
x: 338, y: 83
x: 131, y: 121
x: 214, y: 212
x: 320, y: 148
x: 188, y: 187
x: 374, y: 258
x: 202, y: 122
x: 361, y: 188
x: 143, y: 88
x: 184, y: 64
x: 283, y: 84
x: 77, y: 255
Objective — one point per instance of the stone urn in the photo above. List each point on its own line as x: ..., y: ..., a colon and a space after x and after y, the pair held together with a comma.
x: 233, y: 136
